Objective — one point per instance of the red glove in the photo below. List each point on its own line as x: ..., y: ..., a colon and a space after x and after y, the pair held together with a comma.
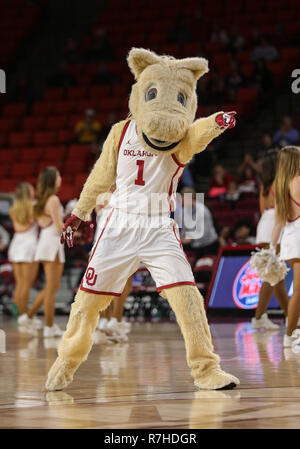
x: 226, y: 120
x: 70, y: 226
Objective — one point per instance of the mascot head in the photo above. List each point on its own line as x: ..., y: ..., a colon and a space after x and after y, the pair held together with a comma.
x: 163, y: 100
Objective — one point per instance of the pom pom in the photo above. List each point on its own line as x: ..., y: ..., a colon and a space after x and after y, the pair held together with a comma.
x: 269, y: 267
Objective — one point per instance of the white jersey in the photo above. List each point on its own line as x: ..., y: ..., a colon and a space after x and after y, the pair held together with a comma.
x: 146, y: 183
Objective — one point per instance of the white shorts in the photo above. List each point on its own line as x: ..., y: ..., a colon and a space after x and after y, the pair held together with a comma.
x: 125, y: 241
x: 49, y: 245
x: 265, y: 226
x: 23, y: 245
x: 290, y: 242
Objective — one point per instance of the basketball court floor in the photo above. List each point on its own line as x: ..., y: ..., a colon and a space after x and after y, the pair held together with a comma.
x: 146, y: 383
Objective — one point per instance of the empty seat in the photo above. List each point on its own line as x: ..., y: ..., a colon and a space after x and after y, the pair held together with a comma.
x: 75, y: 166
x: 75, y: 93
x: 80, y: 179
x: 42, y: 108
x: 44, y: 138
x: 20, y: 139
x: 8, y: 184
x: 65, y: 136
x: 78, y: 152
x: 67, y: 192
x: 22, y: 169
x: 53, y: 94
x: 7, y: 124
x: 29, y: 154
x: 55, y: 122
x: 54, y: 153
x: 63, y: 107
x: 33, y: 123
x: 8, y: 155
x: 14, y: 110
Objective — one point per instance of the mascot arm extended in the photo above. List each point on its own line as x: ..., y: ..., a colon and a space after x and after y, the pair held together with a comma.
x: 199, y: 135
x: 103, y: 175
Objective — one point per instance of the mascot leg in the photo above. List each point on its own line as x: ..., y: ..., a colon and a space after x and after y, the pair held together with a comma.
x: 188, y: 305
x: 77, y: 340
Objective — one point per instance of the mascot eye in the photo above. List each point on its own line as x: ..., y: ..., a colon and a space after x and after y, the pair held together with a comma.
x: 181, y: 98
x: 151, y: 93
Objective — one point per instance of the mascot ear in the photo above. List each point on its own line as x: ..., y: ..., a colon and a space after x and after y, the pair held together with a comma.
x: 139, y: 58
x: 198, y: 66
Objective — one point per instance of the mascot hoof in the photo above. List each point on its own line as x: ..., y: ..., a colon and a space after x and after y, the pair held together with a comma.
x: 217, y: 380
x: 60, y: 375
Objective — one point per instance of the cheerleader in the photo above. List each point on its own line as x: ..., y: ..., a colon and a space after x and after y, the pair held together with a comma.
x: 263, y: 236
x: 287, y: 217
x: 50, y: 252
x: 22, y: 250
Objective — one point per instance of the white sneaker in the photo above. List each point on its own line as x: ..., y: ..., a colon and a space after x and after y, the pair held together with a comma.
x: 102, y: 325
x: 126, y: 325
x: 24, y: 320
x: 263, y: 323
x: 291, y: 340
x: 52, y: 331
x: 116, y: 330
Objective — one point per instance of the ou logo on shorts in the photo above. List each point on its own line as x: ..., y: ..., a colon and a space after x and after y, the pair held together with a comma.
x: 90, y: 276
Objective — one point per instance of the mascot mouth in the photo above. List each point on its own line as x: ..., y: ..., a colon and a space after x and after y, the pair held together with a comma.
x: 160, y: 145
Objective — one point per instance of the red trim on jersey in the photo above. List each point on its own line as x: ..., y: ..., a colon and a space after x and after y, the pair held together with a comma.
x: 159, y: 289
x: 171, y: 185
x: 123, y: 134
x: 107, y: 220
x: 294, y: 201
x: 176, y: 161
x: 88, y: 290
x: 178, y: 240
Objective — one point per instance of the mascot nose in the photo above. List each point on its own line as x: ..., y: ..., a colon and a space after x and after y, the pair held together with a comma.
x: 166, y: 127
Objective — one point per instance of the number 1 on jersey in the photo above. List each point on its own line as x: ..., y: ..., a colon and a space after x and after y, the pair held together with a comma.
x: 139, y: 180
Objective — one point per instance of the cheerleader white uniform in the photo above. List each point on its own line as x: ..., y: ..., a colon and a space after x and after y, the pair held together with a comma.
x: 266, y: 224
x: 49, y: 245
x: 290, y: 242
x: 23, y: 245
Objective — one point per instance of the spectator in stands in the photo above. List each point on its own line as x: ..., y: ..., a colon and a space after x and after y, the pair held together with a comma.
x: 206, y: 244
x: 219, y: 182
x: 62, y: 78
x: 242, y: 233
x: 286, y: 135
x: 101, y: 48
x: 235, y: 78
x: 248, y: 161
x: 248, y: 181
x: 216, y: 87
x: 233, y: 193
x: 103, y: 76
x: 236, y: 42
x: 4, y: 242
x: 187, y: 178
x: 219, y: 35
x: 224, y: 236
x: 265, y: 50
x: 88, y: 129
x: 71, y: 51
x: 261, y: 77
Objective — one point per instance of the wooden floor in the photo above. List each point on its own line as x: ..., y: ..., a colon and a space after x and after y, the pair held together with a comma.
x: 146, y: 383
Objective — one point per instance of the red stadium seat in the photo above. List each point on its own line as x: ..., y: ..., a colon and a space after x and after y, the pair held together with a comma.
x: 53, y: 94
x: 8, y: 155
x: 44, y: 138
x: 56, y: 122
x: 78, y: 152
x: 20, y: 139
x: 75, y: 166
x: 33, y: 123
x: 46, y: 163
x: 8, y: 185
x: 42, y: 108
x: 29, y: 154
x: 14, y: 110
x: 55, y: 153
x: 65, y: 136
x: 80, y: 180
x: 67, y: 192
x: 63, y: 107
x: 76, y: 93
x: 22, y: 169
x: 7, y: 124
x: 4, y: 170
